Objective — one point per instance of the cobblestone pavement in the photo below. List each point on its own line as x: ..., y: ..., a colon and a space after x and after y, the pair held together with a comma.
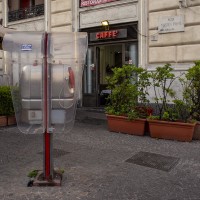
x: 95, y: 168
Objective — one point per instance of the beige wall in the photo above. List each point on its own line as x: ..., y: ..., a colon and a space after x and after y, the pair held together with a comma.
x: 179, y: 47
x: 38, y: 2
x: 61, y: 15
x: 15, y: 5
x: 116, y: 12
x: 1, y: 52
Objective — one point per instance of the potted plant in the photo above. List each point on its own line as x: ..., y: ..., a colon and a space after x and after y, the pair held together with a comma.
x: 192, y: 94
x: 6, y: 107
x: 128, y: 86
x: 16, y: 100
x: 174, y: 120
x: 3, y: 107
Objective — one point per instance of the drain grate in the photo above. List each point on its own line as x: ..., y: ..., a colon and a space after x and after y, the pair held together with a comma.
x: 152, y: 160
x: 57, y: 153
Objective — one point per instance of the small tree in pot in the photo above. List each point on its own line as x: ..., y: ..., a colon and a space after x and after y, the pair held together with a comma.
x: 192, y: 91
x: 128, y: 85
x: 192, y: 94
x: 6, y: 105
x: 162, y: 80
x: 167, y: 126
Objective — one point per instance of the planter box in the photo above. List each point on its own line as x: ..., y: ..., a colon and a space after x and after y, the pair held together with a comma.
x: 124, y: 125
x: 171, y: 130
x: 11, y: 120
x: 196, y: 135
x: 3, y: 121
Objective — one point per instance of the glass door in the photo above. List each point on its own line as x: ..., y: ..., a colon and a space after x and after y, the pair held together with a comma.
x: 99, y: 64
x: 111, y: 56
x: 90, y: 78
x: 131, y: 53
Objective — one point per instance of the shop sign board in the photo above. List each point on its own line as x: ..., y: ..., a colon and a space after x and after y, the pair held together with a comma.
x: 169, y: 24
x: 110, y: 34
x: 85, y: 3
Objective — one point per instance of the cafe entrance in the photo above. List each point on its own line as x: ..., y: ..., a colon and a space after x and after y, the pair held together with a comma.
x: 101, y: 59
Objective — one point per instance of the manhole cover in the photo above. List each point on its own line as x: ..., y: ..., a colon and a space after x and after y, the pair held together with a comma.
x: 57, y: 153
x: 152, y: 160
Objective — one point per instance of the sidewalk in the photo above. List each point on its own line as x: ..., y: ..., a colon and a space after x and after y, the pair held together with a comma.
x: 96, y: 167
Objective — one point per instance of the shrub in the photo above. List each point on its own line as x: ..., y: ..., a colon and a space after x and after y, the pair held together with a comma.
x: 128, y: 85
x: 192, y: 91
x: 6, y: 105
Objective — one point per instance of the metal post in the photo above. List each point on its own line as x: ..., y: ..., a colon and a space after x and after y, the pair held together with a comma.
x: 48, y: 171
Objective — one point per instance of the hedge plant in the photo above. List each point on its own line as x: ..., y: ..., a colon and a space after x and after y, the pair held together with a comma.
x: 6, y: 105
x: 128, y: 85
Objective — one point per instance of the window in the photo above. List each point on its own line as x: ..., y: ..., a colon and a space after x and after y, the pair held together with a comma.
x: 24, y: 9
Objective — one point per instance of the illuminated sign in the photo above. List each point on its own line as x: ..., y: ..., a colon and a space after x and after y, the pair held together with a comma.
x: 107, y: 34
x: 111, y: 34
x: 84, y: 3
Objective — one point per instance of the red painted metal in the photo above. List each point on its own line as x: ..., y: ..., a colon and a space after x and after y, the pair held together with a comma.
x: 47, y: 136
x: 24, y: 4
x: 47, y: 156
x: 71, y: 78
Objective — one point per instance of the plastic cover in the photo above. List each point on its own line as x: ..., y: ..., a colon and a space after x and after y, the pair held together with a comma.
x: 27, y: 65
x: 66, y: 57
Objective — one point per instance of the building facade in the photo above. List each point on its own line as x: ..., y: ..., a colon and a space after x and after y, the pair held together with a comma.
x: 147, y: 33
x: 110, y: 46
x: 157, y: 32
x: 179, y: 41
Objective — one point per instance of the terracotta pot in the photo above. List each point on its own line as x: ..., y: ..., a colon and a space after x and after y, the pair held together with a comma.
x: 122, y: 124
x: 171, y: 130
x: 3, y: 121
x: 11, y: 120
x: 196, y: 135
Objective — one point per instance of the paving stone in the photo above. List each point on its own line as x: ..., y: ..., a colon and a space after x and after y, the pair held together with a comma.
x: 95, y: 168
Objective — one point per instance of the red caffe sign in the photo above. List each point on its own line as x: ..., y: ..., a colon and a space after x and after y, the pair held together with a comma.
x: 84, y: 3
x: 107, y: 34
x: 110, y: 34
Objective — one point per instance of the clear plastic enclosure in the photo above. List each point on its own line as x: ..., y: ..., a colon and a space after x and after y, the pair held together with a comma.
x: 45, y: 72
x: 66, y: 57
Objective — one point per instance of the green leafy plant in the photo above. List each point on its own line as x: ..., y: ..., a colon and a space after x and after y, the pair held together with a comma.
x: 15, y: 91
x: 182, y: 105
x: 185, y: 108
x: 6, y: 105
x: 192, y: 90
x: 128, y: 85
x: 153, y: 117
x: 61, y: 171
x: 162, y: 80
x: 33, y: 174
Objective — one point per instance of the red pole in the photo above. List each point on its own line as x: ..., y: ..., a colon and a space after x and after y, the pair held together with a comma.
x: 47, y: 156
x: 47, y: 135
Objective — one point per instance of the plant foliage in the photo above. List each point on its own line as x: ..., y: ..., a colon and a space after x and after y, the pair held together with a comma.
x: 6, y: 105
x: 191, y: 90
x: 128, y: 85
x: 162, y: 79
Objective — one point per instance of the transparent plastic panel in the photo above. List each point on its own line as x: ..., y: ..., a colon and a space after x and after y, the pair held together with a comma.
x: 66, y: 57
x: 28, y: 44
x: 24, y: 63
